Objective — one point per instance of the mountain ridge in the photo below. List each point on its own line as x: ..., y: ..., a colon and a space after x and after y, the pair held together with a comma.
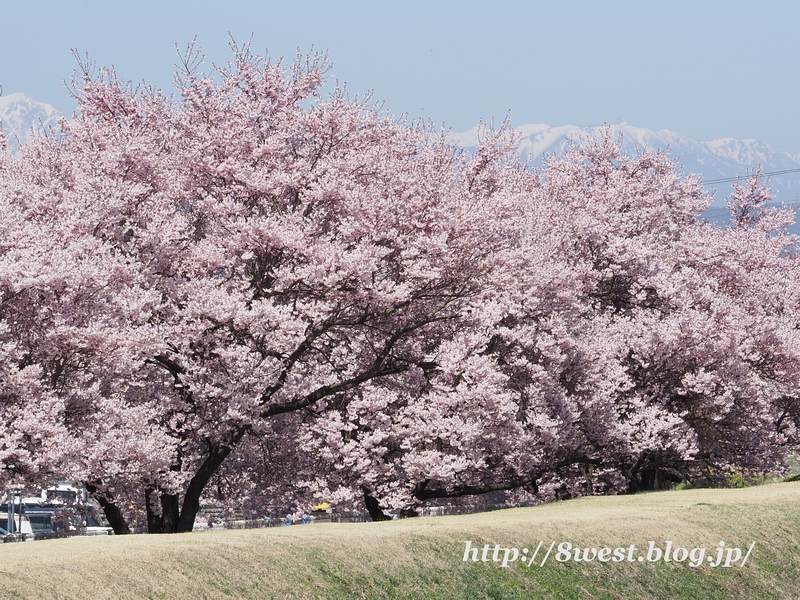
x: 23, y: 117
x: 716, y: 159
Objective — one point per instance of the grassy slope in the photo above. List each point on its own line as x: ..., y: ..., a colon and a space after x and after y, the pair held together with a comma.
x: 422, y: 558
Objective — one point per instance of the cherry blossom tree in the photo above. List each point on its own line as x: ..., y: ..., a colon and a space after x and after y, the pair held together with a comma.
x: 263, y: 250
x: 69, y: 356
x: 284, y: 296
x: 630, y: 345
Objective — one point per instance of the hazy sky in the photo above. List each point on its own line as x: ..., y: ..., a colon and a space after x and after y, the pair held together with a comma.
x: 705, y: 69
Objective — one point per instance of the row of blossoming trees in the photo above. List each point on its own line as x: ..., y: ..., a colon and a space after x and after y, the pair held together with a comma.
x: 256, y: 292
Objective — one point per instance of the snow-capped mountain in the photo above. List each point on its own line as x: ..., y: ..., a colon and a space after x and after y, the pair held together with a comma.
x: 717, y: 159
x: 22, y: 118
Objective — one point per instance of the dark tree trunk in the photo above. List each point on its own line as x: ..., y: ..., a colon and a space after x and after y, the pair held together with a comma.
x: 153, y: 519
x: 111, y: 510
x: 169, y: 513
x: 374, y: 508
x: 652, y: 472
x: 652, y: 478
x: 179, y: 518
x: 191, y: 500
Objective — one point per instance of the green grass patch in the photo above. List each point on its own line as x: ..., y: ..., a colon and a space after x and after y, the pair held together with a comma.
x: 422, y: 558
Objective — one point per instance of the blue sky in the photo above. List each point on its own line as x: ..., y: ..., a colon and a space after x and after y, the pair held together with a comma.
x: 704, y: 69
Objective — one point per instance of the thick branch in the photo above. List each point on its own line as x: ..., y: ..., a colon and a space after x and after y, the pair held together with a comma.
x: 111, y: 510
x: 421, y: 491
x: 293, y: 358
x: 330, y: 390
x: 376, y: 370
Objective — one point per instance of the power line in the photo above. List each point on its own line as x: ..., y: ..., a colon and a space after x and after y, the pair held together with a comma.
x: 738, y: 177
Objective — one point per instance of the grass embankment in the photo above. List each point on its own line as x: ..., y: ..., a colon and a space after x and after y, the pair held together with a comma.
x: 422, y: 558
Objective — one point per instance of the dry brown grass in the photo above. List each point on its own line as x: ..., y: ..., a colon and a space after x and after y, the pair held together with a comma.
x: 421, y: 558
